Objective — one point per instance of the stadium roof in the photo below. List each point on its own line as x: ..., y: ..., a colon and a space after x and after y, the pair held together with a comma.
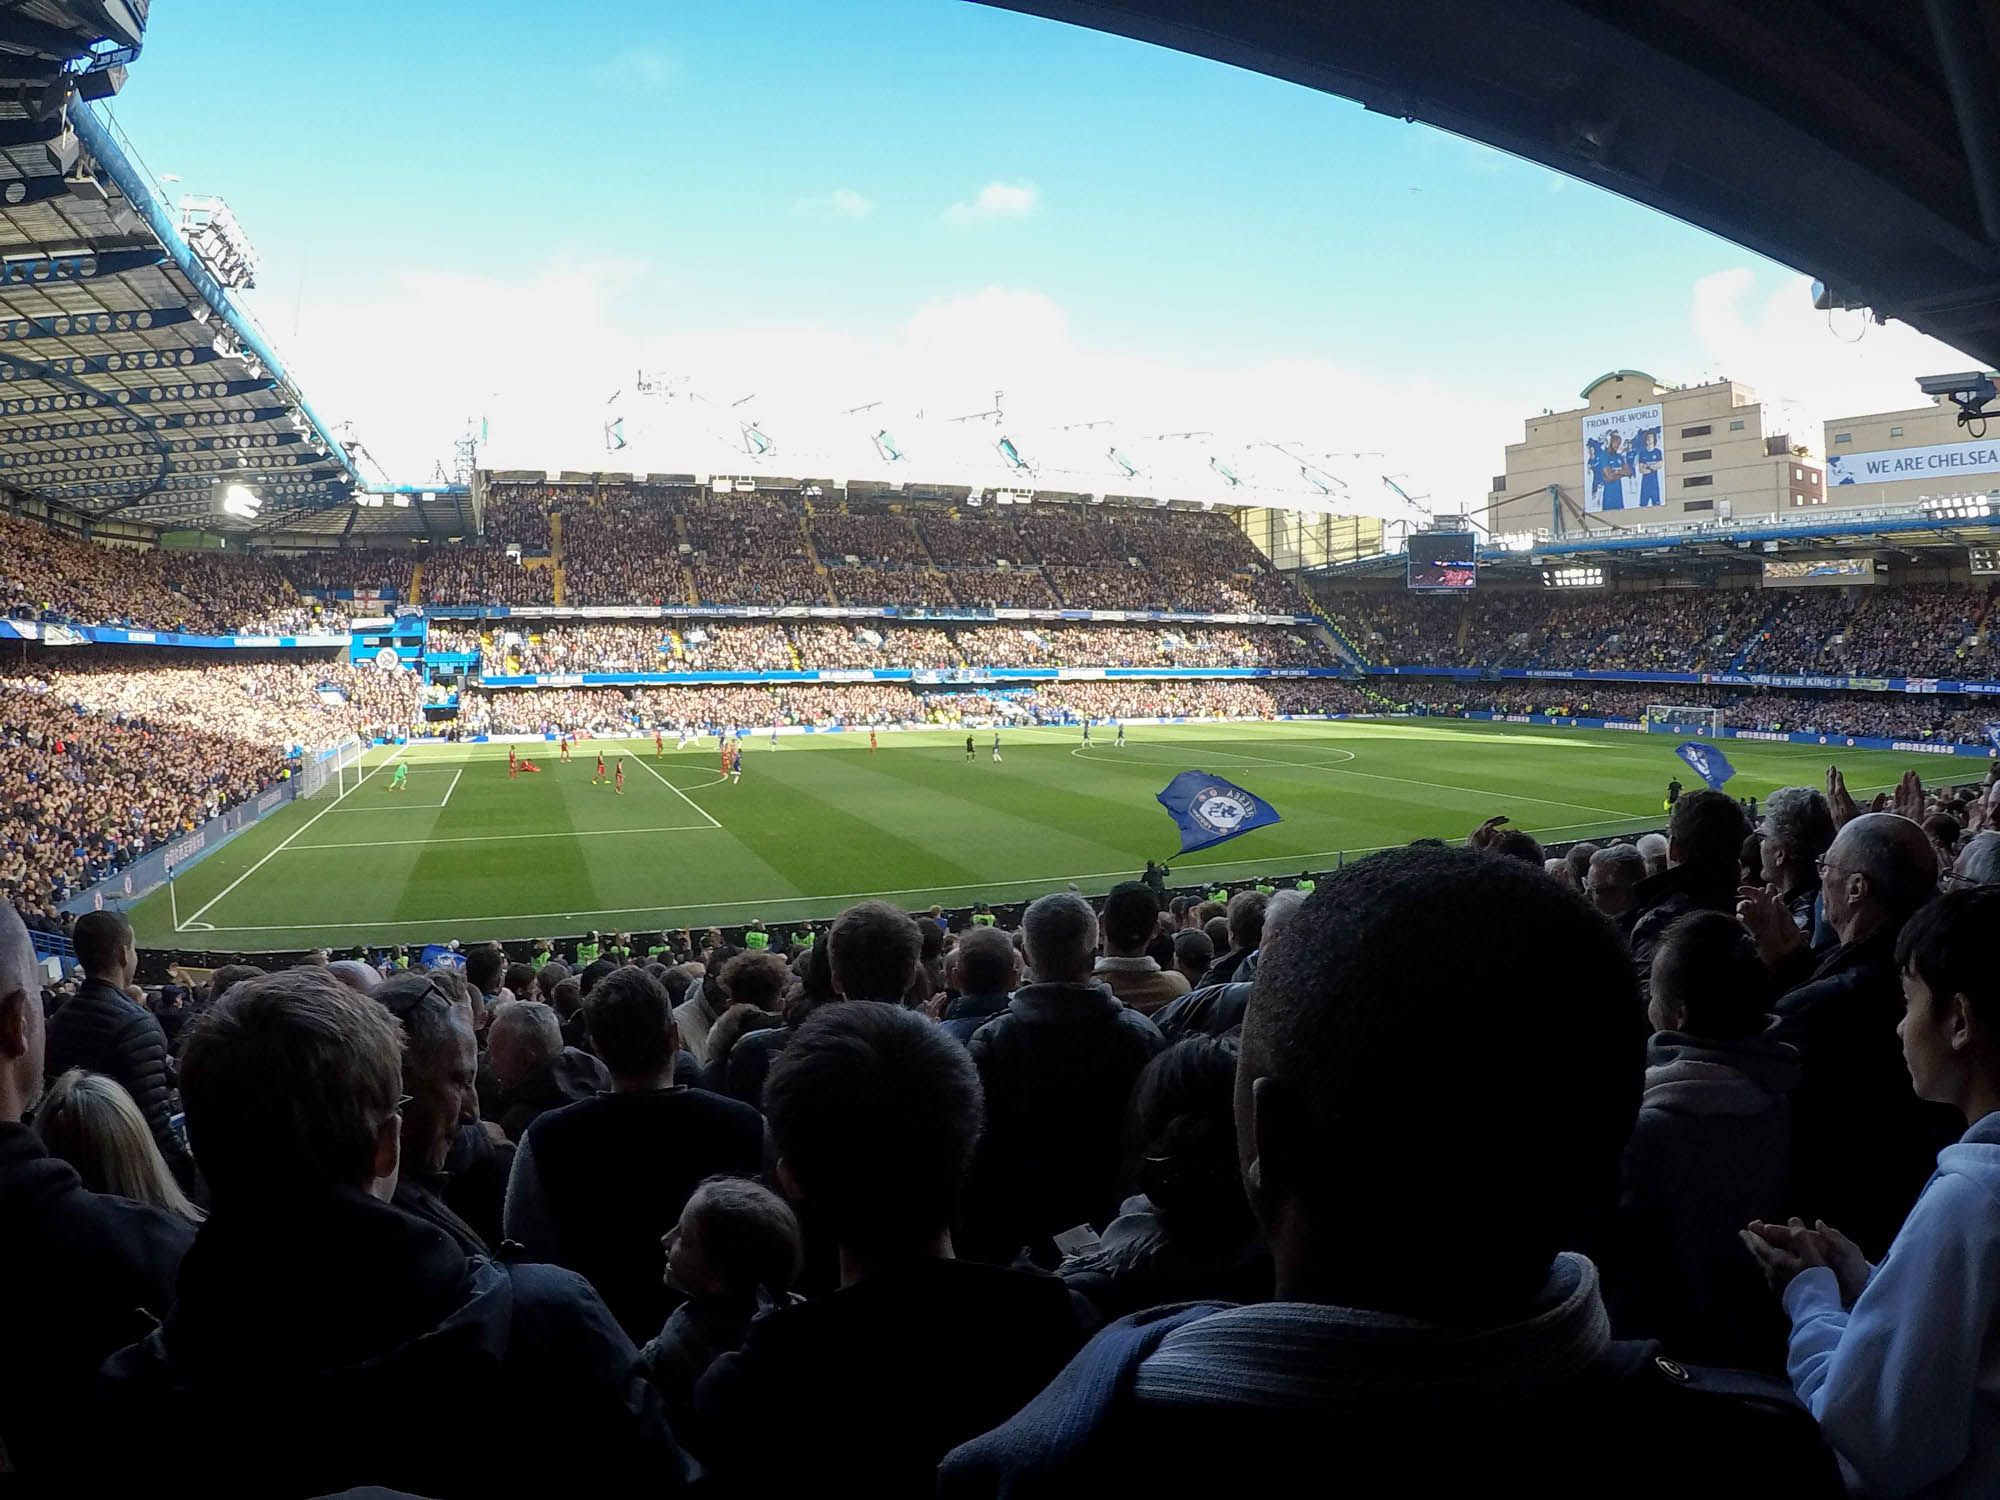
x: 1857, y: 140
x: 132, y: 386
x: 1920, y: 531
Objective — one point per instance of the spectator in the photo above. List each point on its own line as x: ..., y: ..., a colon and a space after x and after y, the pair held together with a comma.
x: 875, y: 1115
x: 90, y: 1122
x: 1612, y: 882
x: 1862, y: 1143
x: 1707, y: 1155
x: 1217, y: 1009
x: 535, y: 1071
x: 88, y: 1273
x: 596, y: 1185
x: 104, y: 1029
x: 982, y: 973
x: 440, y: 1067
x: 1193, y: 953
x: 1704, y: 833
x: 1427, y: 1369
x: 291, y: 1086
x: 1653, y: 847
x: 1978, y: 862
x: 1187, y: 1235
x: 1131, y: 915
x: 1058, y: 1065
x: 871, y: 954
x: 1898, y: 1361
x: 521, y: 982
x: 734, y: 1255
x: 1246, y: 930
x: 1797, y: 831
x: 1578, y: 860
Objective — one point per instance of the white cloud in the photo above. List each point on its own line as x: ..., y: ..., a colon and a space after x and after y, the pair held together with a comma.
x: 844, y: 202
x: 997, y: 200
x: 1820, y: 366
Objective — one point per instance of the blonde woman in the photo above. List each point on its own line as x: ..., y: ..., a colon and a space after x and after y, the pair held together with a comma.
x: 90, y: 1122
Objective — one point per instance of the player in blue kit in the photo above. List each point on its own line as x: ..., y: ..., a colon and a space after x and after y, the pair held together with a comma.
x: 1648, y: 458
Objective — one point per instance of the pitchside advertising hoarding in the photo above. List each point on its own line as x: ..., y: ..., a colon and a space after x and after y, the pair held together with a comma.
x: 1930, y: 461
x: 1624, y: 461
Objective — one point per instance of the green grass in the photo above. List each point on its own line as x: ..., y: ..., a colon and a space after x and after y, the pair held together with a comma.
x: 819, y: 822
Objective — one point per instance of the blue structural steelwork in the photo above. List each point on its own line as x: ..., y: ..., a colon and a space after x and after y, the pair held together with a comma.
x: 110, y: 156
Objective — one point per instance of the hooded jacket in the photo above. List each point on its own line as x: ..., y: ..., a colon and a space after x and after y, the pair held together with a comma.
x: 351, y: 1345
x: 89, y: 1273
x: 1661, y: 900
x: 1906, y: 1385
x: 1708, y: 1153
x: 570, y: 1076
x: 1203, y: 1399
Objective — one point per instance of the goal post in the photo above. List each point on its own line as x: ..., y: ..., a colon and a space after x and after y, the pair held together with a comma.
x: 331, y: 773
x: 1690, y: 717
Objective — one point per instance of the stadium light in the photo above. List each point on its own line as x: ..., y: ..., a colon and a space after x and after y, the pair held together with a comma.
x: 1960, y: 507
x: 1572, y: 578
x: 241, y: 501
x: 1515, y: 541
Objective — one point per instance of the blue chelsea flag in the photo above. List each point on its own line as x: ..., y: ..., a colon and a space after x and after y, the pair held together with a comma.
x: 1208, y: 810
x: 1707, y: 762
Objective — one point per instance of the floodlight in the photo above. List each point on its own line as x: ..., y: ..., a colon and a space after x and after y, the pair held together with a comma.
x: 239, y: 500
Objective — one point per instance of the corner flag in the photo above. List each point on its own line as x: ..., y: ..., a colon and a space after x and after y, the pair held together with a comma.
x: 1208, y: 810
x: 1707, y: 762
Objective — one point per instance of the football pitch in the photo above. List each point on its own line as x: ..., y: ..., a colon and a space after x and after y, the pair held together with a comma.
x: 465, y: 852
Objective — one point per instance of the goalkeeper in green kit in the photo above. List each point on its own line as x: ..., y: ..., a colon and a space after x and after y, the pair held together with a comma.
x: 400, y: 781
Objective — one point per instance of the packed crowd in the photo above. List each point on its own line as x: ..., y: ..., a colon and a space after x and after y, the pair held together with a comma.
x: 641, y: 648
x: 1112, y: 1196
x: 467, y: 574
x: 860, y: 583
x: 621, y: 550
x: 1949, y: 717
x: 612, y: 710
x: 352, y: 568
x: 85, y: 791
x: 1915, y: 631
x: 872, y: 537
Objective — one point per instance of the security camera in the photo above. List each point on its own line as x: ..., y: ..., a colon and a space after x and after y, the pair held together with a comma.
x: 1969, y: 386
x: 1968, y: 392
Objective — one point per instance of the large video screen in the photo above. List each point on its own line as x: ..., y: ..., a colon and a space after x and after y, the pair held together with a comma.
x: 1442, y: 562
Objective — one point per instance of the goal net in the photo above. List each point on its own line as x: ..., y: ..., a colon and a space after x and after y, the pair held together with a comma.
x: 1686, y: 717
x: 331, y: 772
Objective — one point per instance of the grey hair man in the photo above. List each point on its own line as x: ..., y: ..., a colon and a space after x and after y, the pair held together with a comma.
x: 1612, y: 879
x: 1653, y: 848
x: 1058, y: 1065
x: 1863, y: 1143
x: 1797, y: 829
x: 534, y: 1070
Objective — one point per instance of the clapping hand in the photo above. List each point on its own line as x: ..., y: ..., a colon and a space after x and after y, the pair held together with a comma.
x: 1844, y: 810
x: 1783, y: 1250
x: 1769, y: 922
x: 1909, y: 799
x: 1486, y: 832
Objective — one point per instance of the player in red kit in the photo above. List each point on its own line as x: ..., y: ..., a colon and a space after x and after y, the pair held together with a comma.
x: 621, y: 775
x: 659, y: 745
x: 871, y: 742
x: 565, y: 749
x: 513, y: 766
x: 600, y: 769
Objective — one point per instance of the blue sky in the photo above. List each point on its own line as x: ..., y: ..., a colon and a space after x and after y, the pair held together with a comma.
x: 463, y: 207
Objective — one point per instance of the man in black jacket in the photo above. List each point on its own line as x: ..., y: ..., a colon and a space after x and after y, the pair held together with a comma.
x: 1863, y: 1143
x: 1797, y: 830
x: 1058, y: 1066
x: 1705, y: 835
x: 106, y: 1031
x: 1402, y: 1354
x: 439, y: 1065
x: 596, y: 1185
x: 86, y: 1273
x: 875, y: 1114
x: 983, y: 969
x: 348, y: 1343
